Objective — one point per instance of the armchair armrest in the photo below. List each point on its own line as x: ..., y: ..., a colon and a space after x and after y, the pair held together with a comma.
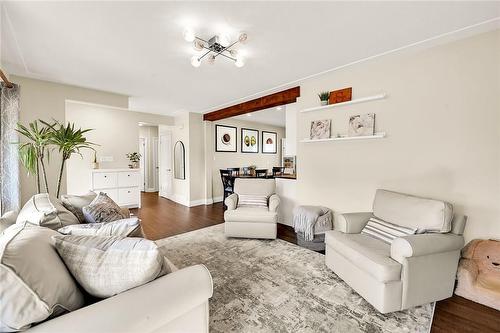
x: 143, y: 309
x: 231, y: 201
x: 274, y: 202
x: 352, y: 223
x: 424, y: 244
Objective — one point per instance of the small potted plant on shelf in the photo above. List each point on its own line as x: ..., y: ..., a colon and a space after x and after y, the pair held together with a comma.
x: 134, y: 158
x: 324, y: 96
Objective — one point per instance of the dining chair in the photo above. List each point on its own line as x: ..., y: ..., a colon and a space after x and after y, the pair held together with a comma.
x: 227, y: 184
x: 235, y: 172
x: 246, y: 171
x: 261, y: 173
x: 278, y: 171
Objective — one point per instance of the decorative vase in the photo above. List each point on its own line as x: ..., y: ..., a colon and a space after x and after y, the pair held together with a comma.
x: 325, y: 102
x: 95, y: 165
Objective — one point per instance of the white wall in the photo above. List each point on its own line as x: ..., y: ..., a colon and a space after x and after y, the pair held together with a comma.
x: 442, y: 119
x: 46, y: 100
x: 150, y: 134
x: 116, y: 131
x: 224, y: 160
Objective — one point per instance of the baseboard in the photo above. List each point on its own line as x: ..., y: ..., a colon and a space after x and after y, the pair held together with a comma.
x: 217, y: 199
x: 151, y: 190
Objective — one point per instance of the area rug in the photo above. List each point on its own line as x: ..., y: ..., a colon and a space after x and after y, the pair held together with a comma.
x: 276, y: 286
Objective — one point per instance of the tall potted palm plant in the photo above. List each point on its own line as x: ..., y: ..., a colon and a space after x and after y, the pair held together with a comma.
x: 68, y: 141
x: 33, y: 152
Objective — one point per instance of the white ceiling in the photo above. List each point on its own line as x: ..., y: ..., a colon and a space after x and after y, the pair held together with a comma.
x: 137, y: 48
x: 272, y: 116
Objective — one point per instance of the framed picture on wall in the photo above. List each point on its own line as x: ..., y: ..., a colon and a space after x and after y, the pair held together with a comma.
x: 225, y: 139
x: 249, y: 140
x: 269, y: 142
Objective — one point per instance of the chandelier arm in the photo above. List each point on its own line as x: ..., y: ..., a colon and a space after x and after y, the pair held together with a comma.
x: 224, y: 55
x: 203, y: 56
x: 227, y: 48
x: 198, y: 38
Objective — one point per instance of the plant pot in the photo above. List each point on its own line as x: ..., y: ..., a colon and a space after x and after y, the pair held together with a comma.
x: 323, y: 103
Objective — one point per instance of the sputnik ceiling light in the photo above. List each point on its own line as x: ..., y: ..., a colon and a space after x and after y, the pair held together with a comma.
x: 218, y: 45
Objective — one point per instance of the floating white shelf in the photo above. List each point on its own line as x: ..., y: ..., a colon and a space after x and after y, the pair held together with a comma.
x: 354, y: 101
x: 378, y: 135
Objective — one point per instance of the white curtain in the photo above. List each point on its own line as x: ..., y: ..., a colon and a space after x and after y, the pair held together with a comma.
x: 9, y: 155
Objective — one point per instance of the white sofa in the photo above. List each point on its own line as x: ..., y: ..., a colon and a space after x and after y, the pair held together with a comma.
x: 412, y: 270
x: 248, y: 221
x: 177, y: 302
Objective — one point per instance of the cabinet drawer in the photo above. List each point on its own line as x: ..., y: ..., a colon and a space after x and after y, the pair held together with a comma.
x: 113, y: 194
x: 128, y: 196
x: 105, y: 180
x: 128, y: 179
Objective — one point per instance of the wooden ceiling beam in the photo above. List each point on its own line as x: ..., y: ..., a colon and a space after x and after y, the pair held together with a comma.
x: 280, y: 98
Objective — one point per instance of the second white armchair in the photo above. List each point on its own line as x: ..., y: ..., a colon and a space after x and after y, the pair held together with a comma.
x: 252, y: 210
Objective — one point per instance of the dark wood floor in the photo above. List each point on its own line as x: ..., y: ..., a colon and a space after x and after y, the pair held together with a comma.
x: 163, y: 218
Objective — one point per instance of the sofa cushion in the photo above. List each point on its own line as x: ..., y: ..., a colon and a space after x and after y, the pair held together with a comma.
x: 7, y: 219
x: 75, y: 203
x: 126, y: 228
x: 251, y: 214
x: 35, y: 283
x: 367, y: 253
x: 103, y: 209
x: 106, y: 266
x: 255, y: 186
x: 46, y: 211
x: 427, y: 215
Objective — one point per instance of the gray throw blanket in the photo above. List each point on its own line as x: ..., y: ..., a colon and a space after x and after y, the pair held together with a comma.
x: 308, y: 218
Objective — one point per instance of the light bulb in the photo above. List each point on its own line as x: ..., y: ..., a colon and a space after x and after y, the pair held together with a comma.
x: 195, y: 61
x: 233, y: 53
x: 188, y: 35
x: 243, y: 37
x: 198, y: 45
x: 211, y: 59
x: 239, y: 62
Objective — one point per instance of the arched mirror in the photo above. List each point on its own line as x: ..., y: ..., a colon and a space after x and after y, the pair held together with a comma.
x: 179, y: 161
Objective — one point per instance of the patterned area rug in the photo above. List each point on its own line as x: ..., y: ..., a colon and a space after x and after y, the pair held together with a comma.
x: 276, y: 286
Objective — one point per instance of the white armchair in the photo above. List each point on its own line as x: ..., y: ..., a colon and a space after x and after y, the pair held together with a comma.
x: 248, y: 221
x: 412, y: 270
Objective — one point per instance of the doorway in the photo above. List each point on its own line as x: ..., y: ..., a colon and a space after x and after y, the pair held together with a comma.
x: 165, y: 162
x: 148, y: 148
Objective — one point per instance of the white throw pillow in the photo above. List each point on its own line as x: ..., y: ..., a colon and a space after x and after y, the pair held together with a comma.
x: 385, y: 231
x: 252, y: 200
x: 35, y: 283
x: 75, y: 203
x: 126, y: 228
x: 106, y: 266
x: 46, y: 211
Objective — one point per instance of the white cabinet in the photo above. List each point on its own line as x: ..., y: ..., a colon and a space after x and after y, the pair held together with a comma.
x: 121, y: 185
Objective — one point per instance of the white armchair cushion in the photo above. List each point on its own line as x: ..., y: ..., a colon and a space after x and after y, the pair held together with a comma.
x: 385, y: 231
x: 427, y: 215
x: 251, y: 214
x: 106, y: 266
x: 34, y: 282
x: 254, y: 200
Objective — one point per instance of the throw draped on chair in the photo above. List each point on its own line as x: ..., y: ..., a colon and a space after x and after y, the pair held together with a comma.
x: 9, y: 155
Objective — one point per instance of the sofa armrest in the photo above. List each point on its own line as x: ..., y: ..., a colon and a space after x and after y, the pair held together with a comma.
x: 8, y: 219
x: 352, y: 223
x: 143, y: 309
x: 424, y: 244
x: 231, y: 201
x: 274, y: 202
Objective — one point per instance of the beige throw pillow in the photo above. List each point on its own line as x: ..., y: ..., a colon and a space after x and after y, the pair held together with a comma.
x: 35, y: 283
x: 75, y: 203
x: 126, y: 228
x: 46, y: 211
x: 106, y: 266
x: 103, y: 209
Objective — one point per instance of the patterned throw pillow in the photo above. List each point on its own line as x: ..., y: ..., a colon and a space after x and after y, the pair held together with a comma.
x: 252, y: 200
x: 106, y: 266
x: 385, y: 231
x: 102, y: 209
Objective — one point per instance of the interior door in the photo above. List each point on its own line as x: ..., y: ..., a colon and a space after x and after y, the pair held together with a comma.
x: 156, y: 167
x: 143, y: 163
x: 165, y: 162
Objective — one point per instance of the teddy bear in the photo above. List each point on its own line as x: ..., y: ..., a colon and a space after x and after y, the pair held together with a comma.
x: 479, y: 272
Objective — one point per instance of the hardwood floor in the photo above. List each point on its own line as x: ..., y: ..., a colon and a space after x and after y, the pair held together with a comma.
x: 163, y: 218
